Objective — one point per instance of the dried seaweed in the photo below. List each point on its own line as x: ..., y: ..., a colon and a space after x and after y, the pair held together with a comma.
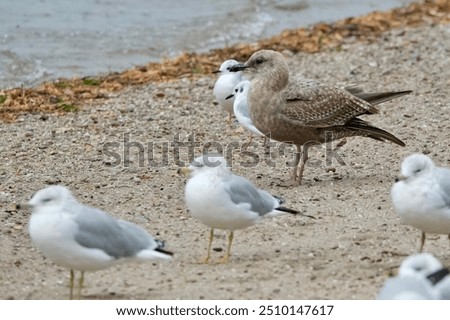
x: 65, y: 95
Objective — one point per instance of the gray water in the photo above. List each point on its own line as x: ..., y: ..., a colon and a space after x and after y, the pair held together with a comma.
x: 47, y: 39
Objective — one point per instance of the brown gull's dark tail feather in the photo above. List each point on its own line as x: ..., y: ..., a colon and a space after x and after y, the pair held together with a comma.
x: 367, y: 130
x: 375, y: 98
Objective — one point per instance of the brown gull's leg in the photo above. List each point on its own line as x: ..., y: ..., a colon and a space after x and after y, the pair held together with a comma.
x: 303, y: 160
x: 296, y: 162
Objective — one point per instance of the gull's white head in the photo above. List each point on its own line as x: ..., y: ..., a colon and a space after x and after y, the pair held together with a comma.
x: 206, y: 163
x: 226, y: 66
x: 423, y: 264
x: 416, y: 165
x: 241, y: 89
x: 50, y: 196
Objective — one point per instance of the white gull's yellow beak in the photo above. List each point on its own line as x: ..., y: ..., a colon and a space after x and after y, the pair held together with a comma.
x: 184, y: 170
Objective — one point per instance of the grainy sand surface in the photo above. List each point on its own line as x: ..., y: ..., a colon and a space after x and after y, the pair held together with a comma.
x: 355, y: 243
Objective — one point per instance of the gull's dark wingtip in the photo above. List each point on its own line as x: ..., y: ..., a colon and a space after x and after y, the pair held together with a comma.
x: 284, y: 209
x: 438, y: 275
x: 292, y: 211
x: 161, y: 250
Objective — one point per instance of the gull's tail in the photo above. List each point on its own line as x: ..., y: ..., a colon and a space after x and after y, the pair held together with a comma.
x: 362, y: 128
x: 375, y: 98
x: 166, y: 253
x: 160, y: 248
x: 292, y: 211
x: 158, y: 253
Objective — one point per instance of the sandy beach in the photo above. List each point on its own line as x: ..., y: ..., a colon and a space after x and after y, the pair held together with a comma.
x: 121, y: 154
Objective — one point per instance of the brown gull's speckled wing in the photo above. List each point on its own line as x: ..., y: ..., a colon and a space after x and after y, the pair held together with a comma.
x: 312, y: 104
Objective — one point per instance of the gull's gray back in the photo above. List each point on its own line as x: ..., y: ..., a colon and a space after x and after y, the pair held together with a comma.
x: 118, y: 238
x: 242, y: 191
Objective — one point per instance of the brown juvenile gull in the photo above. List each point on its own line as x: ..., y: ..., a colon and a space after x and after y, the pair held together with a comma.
x: 305, y: 112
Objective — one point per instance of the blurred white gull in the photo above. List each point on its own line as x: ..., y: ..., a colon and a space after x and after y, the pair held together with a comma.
x: 421, y: 196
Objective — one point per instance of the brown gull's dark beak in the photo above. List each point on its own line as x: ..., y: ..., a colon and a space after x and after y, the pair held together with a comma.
x: 238, y: 67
